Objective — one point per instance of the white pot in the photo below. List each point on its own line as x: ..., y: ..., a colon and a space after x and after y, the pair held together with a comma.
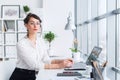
x: 51, y: 52
x: 76, y: 57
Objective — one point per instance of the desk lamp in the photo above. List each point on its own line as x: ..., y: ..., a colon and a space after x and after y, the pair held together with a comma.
x: 70, y: 25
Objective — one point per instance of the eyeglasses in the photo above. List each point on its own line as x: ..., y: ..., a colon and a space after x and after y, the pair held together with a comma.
x: 33, y: 23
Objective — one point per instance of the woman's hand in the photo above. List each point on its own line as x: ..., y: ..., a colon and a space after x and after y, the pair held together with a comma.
x: 58, y: 64
x: 66, y: 63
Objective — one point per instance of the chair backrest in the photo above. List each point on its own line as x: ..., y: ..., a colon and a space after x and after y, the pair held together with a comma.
x: 97, y: 71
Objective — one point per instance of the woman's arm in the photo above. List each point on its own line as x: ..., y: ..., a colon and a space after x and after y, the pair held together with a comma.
x: 52, y: 66
x: 56, y: 61
x: 58, y: 64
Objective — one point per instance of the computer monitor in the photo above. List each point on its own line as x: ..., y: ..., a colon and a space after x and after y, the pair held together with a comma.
x: 94, y: 55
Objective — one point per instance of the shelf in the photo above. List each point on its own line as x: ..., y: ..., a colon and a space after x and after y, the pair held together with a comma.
x: 9, y: 32
x: 10, y: 44
x: 9, y: 36
x: 1, y: 59
x: 11, y: 18
x: 22, y: 32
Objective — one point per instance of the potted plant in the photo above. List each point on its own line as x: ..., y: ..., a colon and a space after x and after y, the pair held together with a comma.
x: 26, y: 9
x: 49, y: 37
x: 75, y: 54
x: 75, y: 51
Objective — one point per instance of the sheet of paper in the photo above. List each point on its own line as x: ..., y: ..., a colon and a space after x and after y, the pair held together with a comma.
x: 63, y: 78
x: 68, y: 78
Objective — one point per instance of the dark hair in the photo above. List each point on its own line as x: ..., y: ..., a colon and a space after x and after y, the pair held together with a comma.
x: 26, y: 20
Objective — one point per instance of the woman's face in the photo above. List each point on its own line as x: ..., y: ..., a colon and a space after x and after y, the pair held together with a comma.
x: 33, y: 26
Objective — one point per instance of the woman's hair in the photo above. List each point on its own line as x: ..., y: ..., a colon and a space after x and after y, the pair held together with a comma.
x: 27, y: 18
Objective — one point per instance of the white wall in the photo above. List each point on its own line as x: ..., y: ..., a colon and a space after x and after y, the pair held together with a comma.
x: 55, y: 17
x: 30, y: 3
x: 55, y: 14
x: 6, y: 68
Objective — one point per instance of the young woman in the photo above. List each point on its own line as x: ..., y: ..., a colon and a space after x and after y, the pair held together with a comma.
x: 31, y: 53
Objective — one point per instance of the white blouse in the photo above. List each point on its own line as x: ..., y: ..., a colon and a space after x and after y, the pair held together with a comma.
x: 30, y: 57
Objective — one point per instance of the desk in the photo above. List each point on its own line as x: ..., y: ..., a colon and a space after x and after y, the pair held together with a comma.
x: 47, y: 74
x: 51, y: 74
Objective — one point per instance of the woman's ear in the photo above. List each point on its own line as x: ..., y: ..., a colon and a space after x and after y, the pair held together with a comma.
x: 25, y: 25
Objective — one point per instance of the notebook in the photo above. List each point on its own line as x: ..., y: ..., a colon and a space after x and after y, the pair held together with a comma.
x: 69, y: 74
x: 93, y: 56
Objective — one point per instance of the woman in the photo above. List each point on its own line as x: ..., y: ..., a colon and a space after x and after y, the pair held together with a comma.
x: 31, y: 53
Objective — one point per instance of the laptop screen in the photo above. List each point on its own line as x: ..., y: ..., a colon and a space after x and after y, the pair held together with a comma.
x: 93, y: 55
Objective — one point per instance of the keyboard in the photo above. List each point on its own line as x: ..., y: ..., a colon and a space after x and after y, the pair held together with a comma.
x: 69, y: 74
x: 77, y: 66
x: 68, y: 69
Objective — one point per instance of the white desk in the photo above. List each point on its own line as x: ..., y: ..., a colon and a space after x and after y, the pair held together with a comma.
x: 52, y: 75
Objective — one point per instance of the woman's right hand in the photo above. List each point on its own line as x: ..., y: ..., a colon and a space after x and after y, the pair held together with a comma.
x: 66, y: 63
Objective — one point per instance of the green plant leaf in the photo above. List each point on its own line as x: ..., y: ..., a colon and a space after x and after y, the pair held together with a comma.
x: 74, y: 50
x: 50, y: 36
x: 26, y: 8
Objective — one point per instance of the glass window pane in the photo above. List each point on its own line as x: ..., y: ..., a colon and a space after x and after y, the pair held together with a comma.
x: 118, y: 39
x: 119, y: 42
x: 102, y: 39
x: 89, y: 9
x: 89, y: 38
x: 0, y: 26
x: 118, y: 3
x: 101, y: 7
x: 89, y: 26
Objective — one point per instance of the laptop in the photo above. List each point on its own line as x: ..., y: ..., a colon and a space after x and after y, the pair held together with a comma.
x: 93, y: 56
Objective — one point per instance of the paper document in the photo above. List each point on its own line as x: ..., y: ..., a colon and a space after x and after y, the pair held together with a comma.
x: 68, y: 78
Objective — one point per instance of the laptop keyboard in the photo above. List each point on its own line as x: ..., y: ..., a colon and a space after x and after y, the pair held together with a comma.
x: 69, y: 74
x: 77, y: 66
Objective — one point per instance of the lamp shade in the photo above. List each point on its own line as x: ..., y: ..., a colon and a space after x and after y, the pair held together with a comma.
x: 70, y: 24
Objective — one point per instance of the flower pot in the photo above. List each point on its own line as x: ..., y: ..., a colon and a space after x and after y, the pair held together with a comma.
x: 50, y: 52
x: 76, y: 57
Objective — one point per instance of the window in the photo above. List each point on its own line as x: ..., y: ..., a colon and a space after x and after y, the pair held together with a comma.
x: 118, y: 40
x: 89, y: 27
x: 102, y: 39
x: 103, y: 32
x: 118, y: 35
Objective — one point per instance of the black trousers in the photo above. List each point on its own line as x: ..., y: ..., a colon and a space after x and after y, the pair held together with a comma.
x: 23, y: 74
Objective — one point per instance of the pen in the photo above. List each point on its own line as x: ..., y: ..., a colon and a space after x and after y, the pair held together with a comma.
x: 76, y: 79
x: 104, y: 64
